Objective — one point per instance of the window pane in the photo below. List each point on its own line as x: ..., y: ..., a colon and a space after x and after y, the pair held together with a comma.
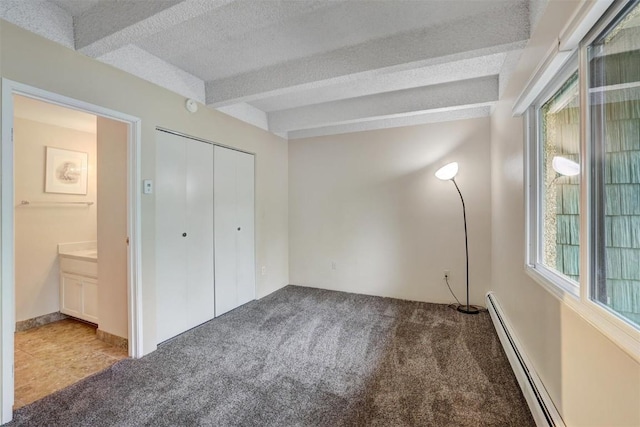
x: 559, y: 243
x: 614, y: 96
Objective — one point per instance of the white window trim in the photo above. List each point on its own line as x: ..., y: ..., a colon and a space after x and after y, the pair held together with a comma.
x: 549, y: 278
x: 615, y: 328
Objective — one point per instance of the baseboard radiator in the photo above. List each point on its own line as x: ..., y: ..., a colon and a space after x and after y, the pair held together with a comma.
x: 542, y: 408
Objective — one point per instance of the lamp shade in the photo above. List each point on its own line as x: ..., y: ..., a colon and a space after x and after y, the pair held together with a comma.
x: 564, y: 166
x: 448, y: 171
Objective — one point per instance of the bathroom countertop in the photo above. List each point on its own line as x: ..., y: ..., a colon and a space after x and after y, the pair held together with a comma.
x: 83, y: 255
x: 83, y: 251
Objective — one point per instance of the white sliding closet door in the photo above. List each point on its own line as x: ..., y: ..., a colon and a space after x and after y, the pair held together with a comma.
x: 200, y: 287
x: 171, y: 264
x: 184, y: 234
x: 245, y: 250
x: 234, y: 229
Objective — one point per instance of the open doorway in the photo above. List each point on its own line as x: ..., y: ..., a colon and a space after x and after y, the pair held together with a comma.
x: 70, y: 242
x: 70, y: 226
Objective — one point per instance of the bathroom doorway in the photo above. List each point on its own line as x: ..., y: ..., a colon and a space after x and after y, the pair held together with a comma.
x: 69, y: 211
x: 70, y: 246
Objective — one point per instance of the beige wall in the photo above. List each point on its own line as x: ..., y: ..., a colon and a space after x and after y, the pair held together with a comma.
x: 591, y: 380
x: 39, y: 228
x: 112, y: 227
x: 370, y: 203
x: 30, y: 59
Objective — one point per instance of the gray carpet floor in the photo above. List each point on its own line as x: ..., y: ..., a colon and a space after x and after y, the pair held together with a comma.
x: 306, y: 357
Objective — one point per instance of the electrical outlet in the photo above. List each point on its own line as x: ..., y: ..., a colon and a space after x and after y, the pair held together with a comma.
x: 333, y: 265
x: 264, y: 270
x: 447, y: 274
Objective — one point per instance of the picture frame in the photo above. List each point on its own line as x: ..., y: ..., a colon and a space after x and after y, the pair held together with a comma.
x: 66, y: 171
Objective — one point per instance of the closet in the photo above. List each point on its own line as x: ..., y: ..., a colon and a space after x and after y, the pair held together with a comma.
x: 205, y: 263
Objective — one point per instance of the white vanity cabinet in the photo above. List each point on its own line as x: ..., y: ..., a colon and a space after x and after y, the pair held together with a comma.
x: 79, y: 283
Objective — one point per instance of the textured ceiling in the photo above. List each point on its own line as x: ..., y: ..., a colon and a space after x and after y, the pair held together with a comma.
x: 305, y: 67
x: 76, y: 7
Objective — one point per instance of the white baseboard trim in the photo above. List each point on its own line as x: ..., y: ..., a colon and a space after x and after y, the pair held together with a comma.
x: 542, y: 408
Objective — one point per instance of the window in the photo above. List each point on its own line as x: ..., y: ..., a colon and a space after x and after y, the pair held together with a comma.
x: 583, y: 180
x: 614, y: 108
x: 558, y: 249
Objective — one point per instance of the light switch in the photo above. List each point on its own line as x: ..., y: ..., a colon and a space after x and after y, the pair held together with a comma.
x: 147, y: 186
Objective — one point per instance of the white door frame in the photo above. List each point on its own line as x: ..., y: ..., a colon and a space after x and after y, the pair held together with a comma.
x: 7, y: 204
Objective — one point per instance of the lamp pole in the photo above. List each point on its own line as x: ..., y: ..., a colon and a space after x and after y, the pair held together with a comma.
x: 446, y: 173
x: 468, y: 309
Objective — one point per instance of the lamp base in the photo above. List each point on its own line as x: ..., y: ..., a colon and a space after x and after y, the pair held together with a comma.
x: 472, y: 309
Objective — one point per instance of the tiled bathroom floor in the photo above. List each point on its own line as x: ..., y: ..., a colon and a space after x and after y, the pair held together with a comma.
x: 56, y: 355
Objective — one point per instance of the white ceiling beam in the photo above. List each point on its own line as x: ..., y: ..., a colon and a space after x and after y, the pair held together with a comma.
x: 197, y: 44
x: 439, y: 97
x: 111, y: 25
x: 490, y: 33
x: 463, y: 113
x: 508, y: 67
x: 248, y: 114
x: 465, y: 69
x: 139, y: 62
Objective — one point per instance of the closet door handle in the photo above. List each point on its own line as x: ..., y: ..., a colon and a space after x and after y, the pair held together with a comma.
x: 184, y: 234
x: 238, y: 228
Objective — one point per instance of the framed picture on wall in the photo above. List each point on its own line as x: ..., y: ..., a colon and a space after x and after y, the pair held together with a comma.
x: 66, y: 171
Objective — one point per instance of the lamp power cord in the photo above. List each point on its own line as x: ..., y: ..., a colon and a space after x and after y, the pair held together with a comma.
x: 446, y: 280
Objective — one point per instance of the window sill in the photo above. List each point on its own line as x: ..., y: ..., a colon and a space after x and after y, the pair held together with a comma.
x: 561, y: 288
x: 618, y: 331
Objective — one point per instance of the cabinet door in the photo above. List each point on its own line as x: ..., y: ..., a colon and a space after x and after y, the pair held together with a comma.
x: 234, y: 229
x: 200, y: 294
x: 90, y: 300
x: 71, y: 296
x: 171, y: 247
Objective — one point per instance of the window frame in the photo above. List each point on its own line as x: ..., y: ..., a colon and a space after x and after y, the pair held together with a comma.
x: 615, y: 327
x: 551, y: 279
x: 612, y: 18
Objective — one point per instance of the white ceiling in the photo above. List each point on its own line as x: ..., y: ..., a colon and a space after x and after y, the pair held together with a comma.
x: 306, y: 67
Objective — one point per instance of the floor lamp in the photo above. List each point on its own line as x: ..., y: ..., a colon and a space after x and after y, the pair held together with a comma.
x: 446, y: 173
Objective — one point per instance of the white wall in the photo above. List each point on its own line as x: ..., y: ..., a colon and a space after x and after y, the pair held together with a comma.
x: 60, y: 70
x: 591, y: 381
x: 39, y: 228
x: 112, y: 227
x: 370, y: 203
